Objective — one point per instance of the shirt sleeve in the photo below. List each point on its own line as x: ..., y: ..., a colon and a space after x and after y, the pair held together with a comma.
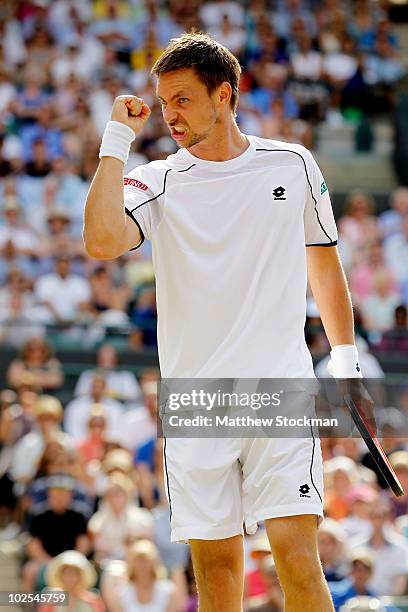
x: 138, y: 197
x: 320, y: 226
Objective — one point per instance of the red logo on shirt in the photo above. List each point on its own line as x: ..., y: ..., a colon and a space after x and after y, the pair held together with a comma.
x: 135, y: 183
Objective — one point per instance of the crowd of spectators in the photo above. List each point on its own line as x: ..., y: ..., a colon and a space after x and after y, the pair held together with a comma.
x: 81, y: 484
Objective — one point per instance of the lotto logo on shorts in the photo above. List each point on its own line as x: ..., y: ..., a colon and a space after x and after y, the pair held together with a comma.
x: 135, y: 183
x: 304, y: 490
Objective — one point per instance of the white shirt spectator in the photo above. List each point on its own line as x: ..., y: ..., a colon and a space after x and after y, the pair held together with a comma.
x: 135, y: 428
x: 231, y: 36
x: 111, y: 532
x: 162, y: 591
x: 119, y: 383
x: 212, y: 13
x: 390, y: 561
x: 354, y: 526
x: 69, y: 64
x: 22, y: 238
x: 340, y: 66
x: 27, y: 454
x: 13, y: 44
x: 77, y: 412
x: 65, y: 294
x: 100, y: 103
x: 307, y: 65
x: 379, y: 311
x: 396, y: 255
x: 7, y: 93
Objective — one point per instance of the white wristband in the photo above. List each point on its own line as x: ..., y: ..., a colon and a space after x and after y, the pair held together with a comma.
x: 116, y: 141
x: 344, y: 362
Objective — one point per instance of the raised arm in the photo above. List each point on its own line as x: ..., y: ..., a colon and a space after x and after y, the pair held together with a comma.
x: 108, y: 231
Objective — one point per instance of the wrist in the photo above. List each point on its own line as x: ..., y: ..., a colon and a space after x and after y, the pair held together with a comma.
x: 116, y: 141
x: 344, y: 362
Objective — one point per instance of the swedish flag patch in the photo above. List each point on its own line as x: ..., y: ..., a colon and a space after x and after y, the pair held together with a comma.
x: 323, y: 188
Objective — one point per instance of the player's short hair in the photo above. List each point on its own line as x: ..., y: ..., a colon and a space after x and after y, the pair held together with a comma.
x: 212, y: 62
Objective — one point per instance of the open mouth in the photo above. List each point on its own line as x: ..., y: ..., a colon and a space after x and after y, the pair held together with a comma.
x: 178, y: 132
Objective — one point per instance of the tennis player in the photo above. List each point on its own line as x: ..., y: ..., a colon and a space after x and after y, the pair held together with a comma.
x: 237, y: 223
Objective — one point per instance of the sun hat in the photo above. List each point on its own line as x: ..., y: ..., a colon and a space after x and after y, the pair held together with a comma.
x: 70, y: 558
x: 48, y: 405
x: 260, y: 544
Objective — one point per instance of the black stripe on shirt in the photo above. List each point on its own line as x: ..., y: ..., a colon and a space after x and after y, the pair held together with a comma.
x: 310, y: 185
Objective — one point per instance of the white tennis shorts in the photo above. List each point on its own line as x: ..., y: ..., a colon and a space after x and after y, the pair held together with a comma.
x: 216, y: 485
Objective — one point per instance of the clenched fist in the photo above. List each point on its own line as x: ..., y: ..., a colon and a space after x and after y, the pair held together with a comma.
x: 131, y: 111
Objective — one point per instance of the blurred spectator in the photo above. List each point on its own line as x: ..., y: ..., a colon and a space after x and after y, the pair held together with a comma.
x: 272, y: 600
x: 7, y: 92
x: 29, y: 449
x: 74, y: 574
x: 78, y: 410
x: 340, y: 65
x: 70, y: 62
x: 145, y: 584
x: 230, y: 35
x: 53, y: 531
x: 64, y: 189
x: 254, y: 582
x: 106, y: 294
x: 59, y: 458
x: 272, y: 80
x: 330, y: 542
x: 361, y: 498
x: 65, y: 294
x: 399, y: 461
x: 212, y: 13
x: 144, y: 315
x: 39, y: 165
x: 21, y: 319
x: 118, y: 521
x: 17, y: 419
x: 358, y: 225
x: 290, y: 13
x: 357, y: 582
x: 396, y: 338
x: 14, y: 231
x: 396, y: 252
x: 44, y: 134
x: 120, y: 384
x: 341, y: 474
x: 58, y: 238
x: 174, y: 555
x: 389, y: 552
x: 378, y: 307
x: 363, y: 274
x: 383, y: 66
x: 138, y: 428
x: 26, y: 106
x: 93, y: 447
x: 36, y: 366
x: 391, y: 220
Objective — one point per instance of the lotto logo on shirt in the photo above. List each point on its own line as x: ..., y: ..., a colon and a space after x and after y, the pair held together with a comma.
x: 135, y: 183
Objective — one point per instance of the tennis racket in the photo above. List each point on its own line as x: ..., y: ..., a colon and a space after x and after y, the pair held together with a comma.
x: 374, y: 446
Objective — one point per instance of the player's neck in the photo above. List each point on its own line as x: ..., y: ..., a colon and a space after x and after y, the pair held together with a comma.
x: 225, y: 142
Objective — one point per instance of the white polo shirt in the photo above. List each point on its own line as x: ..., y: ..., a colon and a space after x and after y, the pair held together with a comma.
x: 228, y: 241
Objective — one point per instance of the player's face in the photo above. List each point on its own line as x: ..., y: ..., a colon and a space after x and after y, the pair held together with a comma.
x: 188, y: 109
